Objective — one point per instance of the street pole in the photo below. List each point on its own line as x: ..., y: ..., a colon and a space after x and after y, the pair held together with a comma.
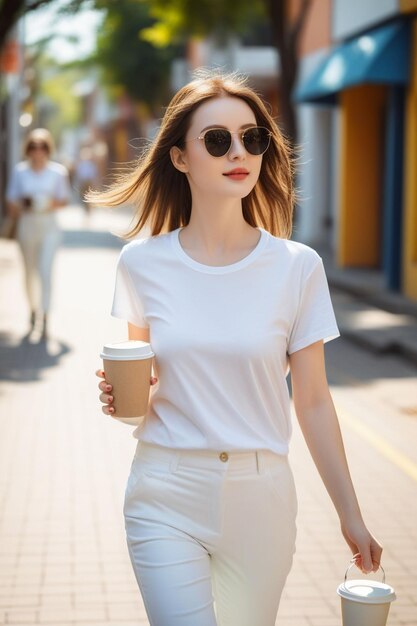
x: 12, y: 66
x: 14, y: 100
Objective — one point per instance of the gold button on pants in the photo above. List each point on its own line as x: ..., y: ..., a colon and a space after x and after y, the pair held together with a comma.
x: 223, y: 456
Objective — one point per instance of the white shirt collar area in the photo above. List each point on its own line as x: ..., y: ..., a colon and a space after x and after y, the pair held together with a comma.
x: 218, y: 269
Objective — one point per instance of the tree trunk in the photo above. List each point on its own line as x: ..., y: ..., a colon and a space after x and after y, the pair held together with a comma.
x: 286, y: 37
x: 11, y: 10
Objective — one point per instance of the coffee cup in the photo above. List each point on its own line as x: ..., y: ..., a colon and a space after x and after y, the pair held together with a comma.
x: 41, y: 203
x: 127, y: 367
x: 365, y: 602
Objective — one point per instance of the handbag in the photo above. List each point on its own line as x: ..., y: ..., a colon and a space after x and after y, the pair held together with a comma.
x: 8, y: 228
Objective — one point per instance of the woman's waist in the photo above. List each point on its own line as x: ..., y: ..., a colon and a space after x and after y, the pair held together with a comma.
x: 38, y: 215
x: 216, y: 428
x: 234, y: 461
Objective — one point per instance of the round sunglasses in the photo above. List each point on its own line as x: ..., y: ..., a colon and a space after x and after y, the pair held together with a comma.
x: 38, y: 146
x: 218, y: 141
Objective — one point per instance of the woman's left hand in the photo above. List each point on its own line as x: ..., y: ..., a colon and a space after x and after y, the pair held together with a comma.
x: 365, y: 548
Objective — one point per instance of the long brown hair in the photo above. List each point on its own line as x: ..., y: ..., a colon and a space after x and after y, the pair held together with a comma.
x: 162, y: 193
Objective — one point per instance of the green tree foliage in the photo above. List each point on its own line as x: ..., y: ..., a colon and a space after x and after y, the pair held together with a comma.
x: 177, y: 19
x: 128, y: 62
x: 57, y: 87
x: 12, y: 10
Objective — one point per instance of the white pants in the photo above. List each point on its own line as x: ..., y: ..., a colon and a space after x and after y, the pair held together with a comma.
x: 39, y: 238
x: 204, y: 526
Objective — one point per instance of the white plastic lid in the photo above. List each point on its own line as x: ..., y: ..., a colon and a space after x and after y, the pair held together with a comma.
x: 127, y: 351
x: 366, y: 591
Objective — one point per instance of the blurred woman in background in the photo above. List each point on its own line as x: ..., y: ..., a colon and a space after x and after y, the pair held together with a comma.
x: 37, y: 188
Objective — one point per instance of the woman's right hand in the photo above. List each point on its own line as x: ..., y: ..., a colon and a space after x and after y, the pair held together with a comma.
x: 106, y: 397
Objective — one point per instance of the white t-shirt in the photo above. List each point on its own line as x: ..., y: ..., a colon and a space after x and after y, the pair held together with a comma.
x: 51, y: 181
x: 221, y: 336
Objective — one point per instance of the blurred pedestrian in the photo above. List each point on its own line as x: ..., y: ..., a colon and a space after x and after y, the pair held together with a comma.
x: 230, y: 304
x: 85, y: 175
x: 37, y: 188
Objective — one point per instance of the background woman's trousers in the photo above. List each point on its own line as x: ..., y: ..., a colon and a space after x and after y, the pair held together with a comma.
x: 39, y: 238
x: 204, y: 526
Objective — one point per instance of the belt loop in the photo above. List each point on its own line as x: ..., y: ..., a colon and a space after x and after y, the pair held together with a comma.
x: 260, y: 462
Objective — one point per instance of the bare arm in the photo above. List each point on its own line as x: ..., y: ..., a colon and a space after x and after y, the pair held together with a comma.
x: 320, y: 426
x: 106, y: 397
x: 136, y: 333
x: 13, y: 208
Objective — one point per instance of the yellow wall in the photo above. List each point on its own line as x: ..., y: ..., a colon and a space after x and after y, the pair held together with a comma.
x: 121, y: 140
x: 362, y: 112
x: 410, y: 180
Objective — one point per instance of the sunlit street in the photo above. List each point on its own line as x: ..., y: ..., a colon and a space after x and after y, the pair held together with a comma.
x: 264, y: 153
x: 64, y: 464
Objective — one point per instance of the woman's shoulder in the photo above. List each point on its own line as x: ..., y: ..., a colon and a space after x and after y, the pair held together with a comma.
x: 22, y: 166
x: 57, y: 168
x: 295, y: 250
x: 146, y: 246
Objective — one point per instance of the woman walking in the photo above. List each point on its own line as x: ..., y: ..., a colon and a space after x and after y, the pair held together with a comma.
x: 37, y: 188
x: 230, y: 305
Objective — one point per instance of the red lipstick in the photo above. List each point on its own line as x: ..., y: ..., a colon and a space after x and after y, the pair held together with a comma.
x: 237, y: 174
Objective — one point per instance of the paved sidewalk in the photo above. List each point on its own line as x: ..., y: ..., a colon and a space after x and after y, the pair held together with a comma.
x: 368, y: 314
x: 63, y: 466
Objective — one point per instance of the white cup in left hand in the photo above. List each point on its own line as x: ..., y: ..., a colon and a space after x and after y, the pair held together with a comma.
x: 41, y: 203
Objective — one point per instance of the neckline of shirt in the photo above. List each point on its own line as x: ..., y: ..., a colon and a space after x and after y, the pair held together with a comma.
x: 218, y: 269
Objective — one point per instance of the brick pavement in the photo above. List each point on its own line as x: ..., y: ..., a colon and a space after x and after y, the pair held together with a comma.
x: 63, y: 467
x: 370, y: 315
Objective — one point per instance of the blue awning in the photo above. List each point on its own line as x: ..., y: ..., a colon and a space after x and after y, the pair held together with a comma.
x: 379, y: 56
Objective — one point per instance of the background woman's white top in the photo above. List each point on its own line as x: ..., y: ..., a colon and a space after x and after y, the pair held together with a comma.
x: 222, y: 336
x: 51, y: 182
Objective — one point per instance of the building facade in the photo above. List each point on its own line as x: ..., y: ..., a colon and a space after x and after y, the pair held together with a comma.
x: 357, y: 108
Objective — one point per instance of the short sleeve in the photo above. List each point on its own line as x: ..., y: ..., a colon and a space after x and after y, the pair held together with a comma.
x: 127, y: 303
x: 315, y: 318
x: 62, y: 187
